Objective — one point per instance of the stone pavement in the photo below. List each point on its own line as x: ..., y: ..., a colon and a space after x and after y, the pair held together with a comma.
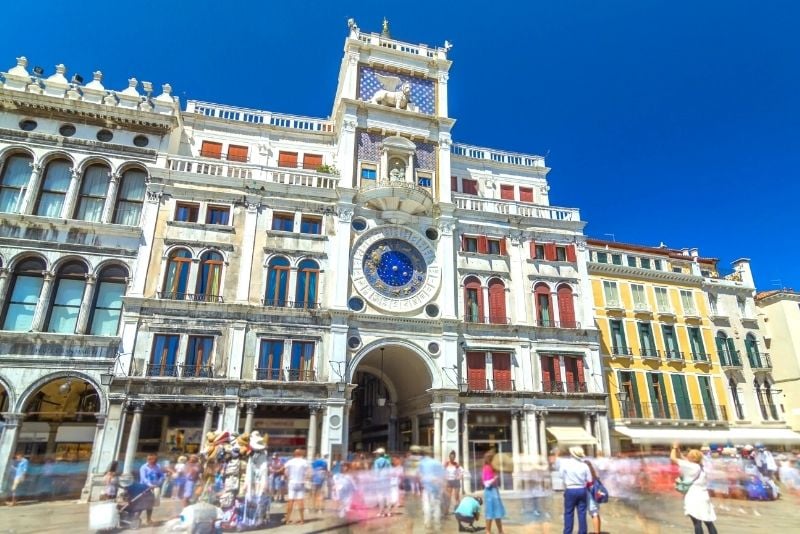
x: 655, y: 514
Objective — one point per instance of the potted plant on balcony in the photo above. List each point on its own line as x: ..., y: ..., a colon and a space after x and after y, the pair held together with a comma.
x: 328, y: 169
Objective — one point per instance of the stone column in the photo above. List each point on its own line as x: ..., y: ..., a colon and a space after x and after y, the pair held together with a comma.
x: 516, y: 479
x: 341, y: 255
x: 86, y: 493
x: 605, y: 442
x: 72, y: 193
x: 532, y: 430
x: 229, y: 417
x: 465, y: 452
x: 248, y: 418
x: 148, y: 224
x: 109, y: 445
x: 443, y: 172
x: 437, y: 434
x: 207, y: 421
x: 516, y: 259
x: 587, y: 425
x: 246, y: 261
x: 543, y: 435
x: 50, y: 448
x: 4, y: 274
x: 133, y: 438
x: 556, y: 314
x: 311, y: 444
x: 111, y: 199
x: 448, y: 297
x: 29, y: 198
x: 86, y: 304
x: 8, y: 445
x: 346, y: 428
x: 44, y: 301
x: 415, y: 429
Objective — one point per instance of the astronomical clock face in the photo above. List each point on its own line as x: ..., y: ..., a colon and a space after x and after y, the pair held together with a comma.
x: 395, y: 269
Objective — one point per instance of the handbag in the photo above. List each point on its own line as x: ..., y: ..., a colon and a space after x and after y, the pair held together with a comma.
x: 681, y: 486
x: 599, y: 491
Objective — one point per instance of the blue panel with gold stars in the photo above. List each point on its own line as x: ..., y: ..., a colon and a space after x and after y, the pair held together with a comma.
x: 395, y: 268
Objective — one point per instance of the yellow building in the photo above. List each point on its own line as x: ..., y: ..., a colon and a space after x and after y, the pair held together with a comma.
x: 657, y: 342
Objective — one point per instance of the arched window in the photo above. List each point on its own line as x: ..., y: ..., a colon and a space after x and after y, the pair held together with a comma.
x: 177, y: 278
x: 107, y: 304
x: 130, y: 198
x: 67, y: 296
x: 473, y: 300
x: 497, y: 302
x: 762, y: 404
x: 773, y: 410
x: 55, y: 184
x: 728, y: 355
x: 92, y: 196
x: 209, y: 279
x: 13, y: 181
x: 737, y: 402
x: 24, y: 291
x: 307, y: 280
x: 277, y: 282
x: 751, y: 345
x: 566, y: 307
x: 544, y: 305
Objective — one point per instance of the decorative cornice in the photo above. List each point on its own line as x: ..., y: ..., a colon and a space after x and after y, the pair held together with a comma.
x: 645, y: 274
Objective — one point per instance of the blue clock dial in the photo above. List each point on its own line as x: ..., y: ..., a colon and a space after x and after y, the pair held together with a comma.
x: 394, y: 268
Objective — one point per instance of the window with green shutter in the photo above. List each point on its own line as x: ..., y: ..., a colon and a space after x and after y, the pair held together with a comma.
x: 629, y: 395
x: 647, y: 344
x: 708, y: 398
x: 682, y: 397
x: 658, y: 396
x: 618, y: 343
x: 733, y: 353
x: 670, y: 342
x: 696, y: 342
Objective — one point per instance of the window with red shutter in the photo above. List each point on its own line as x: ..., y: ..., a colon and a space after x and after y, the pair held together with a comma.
x: 312, y: 162
x: 557, y: 372
x: 476, y: 371
x: 469, y: 187
x: 533, y: 250
x: 501, y: 371
x: 547, y: 373
x: 580, y: 376
x: 566, y: 307
x: 503, y: 249
x: 497, y: 302
x: 454, y: 183
x: 544, y: 305
x: 571, y: 257
x: 210, y: 149
x: 569, y: 372
x: 473, y: 300
x: 526, y: 194
x: 506, y: 192
x: 237, y: 153
x: 483, y: 247
x: 287, y: 159
x: 550, y: 251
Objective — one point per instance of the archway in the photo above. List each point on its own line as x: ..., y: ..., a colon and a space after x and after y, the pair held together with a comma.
x: 391, y: 401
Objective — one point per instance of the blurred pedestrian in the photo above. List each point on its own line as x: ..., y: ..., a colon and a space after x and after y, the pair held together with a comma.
x: 765, y: 461
x: 468, y: 511
x: 577, y: 477
x: 20, y: 474
x: 296, y: 471
x: 431, y: 475
x: 191, y: 475
x: 276, y: 478
x: 453, y: 475
x: 697, y: 502
x: 495, y: 511
x: 592, y: 505
x: 381, y: 470
x: 111, y: 482
x: 410, y: 485
x: 151, y: 475
x: 178, y: 478
x: 319, y: 479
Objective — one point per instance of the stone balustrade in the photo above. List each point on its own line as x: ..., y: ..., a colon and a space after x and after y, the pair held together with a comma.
x: 498, y: 156
x: 275, y: 175
x: 254, y: 116
x: 511, y: 207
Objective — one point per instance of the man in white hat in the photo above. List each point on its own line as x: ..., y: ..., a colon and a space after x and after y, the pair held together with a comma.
x: 381, y: 470
x: 577, y: 477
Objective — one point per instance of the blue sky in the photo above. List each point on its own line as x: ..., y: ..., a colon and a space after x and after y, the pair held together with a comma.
x: 673, y: 121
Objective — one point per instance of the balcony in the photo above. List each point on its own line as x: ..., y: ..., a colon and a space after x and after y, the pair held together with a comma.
x: 512, y: 207
x: 193, y: 297
x: 666, y: 311
x: 570, y: 325
x: 477, y: 385
x: 499, y: 156
x: 285, y: 375
x: 254, y: 116
x: 650, y: 354
x: 760, y: 361
x: 179, y: 371
x: 701, y: 357
x: 673, y: 355
x: 730, y: 361
x: 623, y: 352
x: 489, y: 320
x: 646, y: 411
x: 396, y: 195
x: 564, y: 387
x: 297, y: 304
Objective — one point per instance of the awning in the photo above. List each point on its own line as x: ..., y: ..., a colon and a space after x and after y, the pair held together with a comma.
x: 772, y: 436
x: 571, y: 435
x: 667, y: 436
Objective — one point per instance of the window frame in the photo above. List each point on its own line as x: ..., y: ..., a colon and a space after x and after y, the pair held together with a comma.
x: 211, y: 149
x: 31, y: 272
x: 26, y: 161
x: 84, y: 197
x: 272, y: 372
x: 306, y: 220
x: 211, y: 209
x: 121, y: 201
x: 104, y: 278
x: 192, y: 210
x: 54, y: 307
x: 52, y: 192
x: 171, y: 342
x: 283, y: 217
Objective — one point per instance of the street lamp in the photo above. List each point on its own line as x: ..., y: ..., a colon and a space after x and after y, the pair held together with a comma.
x: 463, y: 387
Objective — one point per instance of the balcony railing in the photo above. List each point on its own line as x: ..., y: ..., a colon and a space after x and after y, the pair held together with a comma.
x: 701, y: 357
x: 255, y: 116
x: 180, y: 371
x: 512, y: 207
x: 194, y: 297
x: 673, y: 411
x: 760, y: 361
x: 489, y: 319
x: 727, y: 359
x: 621, y: 351
x: 564, y: 387
x: 675, y: 355
x: 557, y: 324
x: 483, y: 385
x: 499, y: 156
x: 650, y: 354
x: 285, y: 375
x: 299, y: 304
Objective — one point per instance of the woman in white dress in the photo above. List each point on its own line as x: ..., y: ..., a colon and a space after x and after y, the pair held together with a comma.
x: 697, y: 502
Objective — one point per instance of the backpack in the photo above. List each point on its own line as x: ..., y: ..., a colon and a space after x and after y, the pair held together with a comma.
x: 599, y: 491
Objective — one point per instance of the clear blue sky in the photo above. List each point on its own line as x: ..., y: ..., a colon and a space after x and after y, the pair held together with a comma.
x: 673, y: 121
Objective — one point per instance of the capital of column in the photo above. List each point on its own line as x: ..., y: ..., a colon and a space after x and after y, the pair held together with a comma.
x: 346, y: 215
x: 4, y: 272
x: 91, y: 279
x: 250, y: 409
x: 74, y: 174
x: 136, y: 406
x: 115, y: 177
x: 101, y: 419
x: 48, y: 276
x: 36, y: 167
x: 314, y: 409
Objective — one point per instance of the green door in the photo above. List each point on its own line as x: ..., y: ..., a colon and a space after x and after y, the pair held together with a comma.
x: 682, y: 396
x: 658, y: 395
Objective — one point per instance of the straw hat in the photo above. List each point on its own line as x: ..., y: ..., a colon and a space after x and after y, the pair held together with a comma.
x: 576, y: 452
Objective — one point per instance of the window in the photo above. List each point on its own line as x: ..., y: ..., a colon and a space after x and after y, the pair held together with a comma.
x: 538, y: 251
x: 277, y: 282
x: 639, y: 297
x: 210, y: 149
x: 561, y: 253
x: 54, y: 189
x: 544, y: 305
x: 67, y: 130
x: 105, y: 135
x: 283, y: 222
x: 237, y: 153
x: 737, y: 402
x: 163, y: 360
x: 287, y: 159
x: 751, y: 347
x: 602, y: 257
x: 687, y: 301
x: 494, y: 246
x: 727, y: 352
x: 677, y: 270
x: 473, y: 300
x: 526, y: 194
x: 424, y: 179
x: 619, y: 345
x: 696, y: 343
x: 616, y: 259
x: 476, y: 371
x: 506, y: 192
x: 670, y: 342
x: 611, y: 293
x: 130, y: 198
x: 742, y: 303
x: 107, y: 305
x: 312, y: 162
x: 198, y: 355
x: 141, y: 141
x: 186, y: 211
x: 218, y: 215
x: 645, y: 263
x: 646, y: 342
x: 470, y: 244
x: 566, y: 307
x: 65, y: 306
x: 93, y: 193
x: 454, y: 183
x: 630, y: 405
x: 662, y: 300
x: 770, y: 401
x: 501, y: 371
x: 209, y: 278
x: 573, y: 375
x: 708, y: 398
x: 762, y: 405
x: 269, y: 359
x: 712, y: 303
x: 497, y: 302
x: 302, y: 364
x: 657, y: 265
x: 631, y: 261
x: 310, y: 225
x: 307, y: 279
x: 24, y: 290
x: 368, y: 172
x: 28, y: 125
x: 15, y: 177
x: 658, y: 396
x: 681, y: 396
x: 469, y: 187
x: 177, y: 277
x: 551, y: 374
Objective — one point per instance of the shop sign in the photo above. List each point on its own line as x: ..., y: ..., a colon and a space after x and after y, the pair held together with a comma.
x: 274, y: 423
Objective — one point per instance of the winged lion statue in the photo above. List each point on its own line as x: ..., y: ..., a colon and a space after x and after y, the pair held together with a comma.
x: 395, y: 92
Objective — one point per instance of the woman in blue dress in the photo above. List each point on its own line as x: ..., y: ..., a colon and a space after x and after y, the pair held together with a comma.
x: 493, y: 505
